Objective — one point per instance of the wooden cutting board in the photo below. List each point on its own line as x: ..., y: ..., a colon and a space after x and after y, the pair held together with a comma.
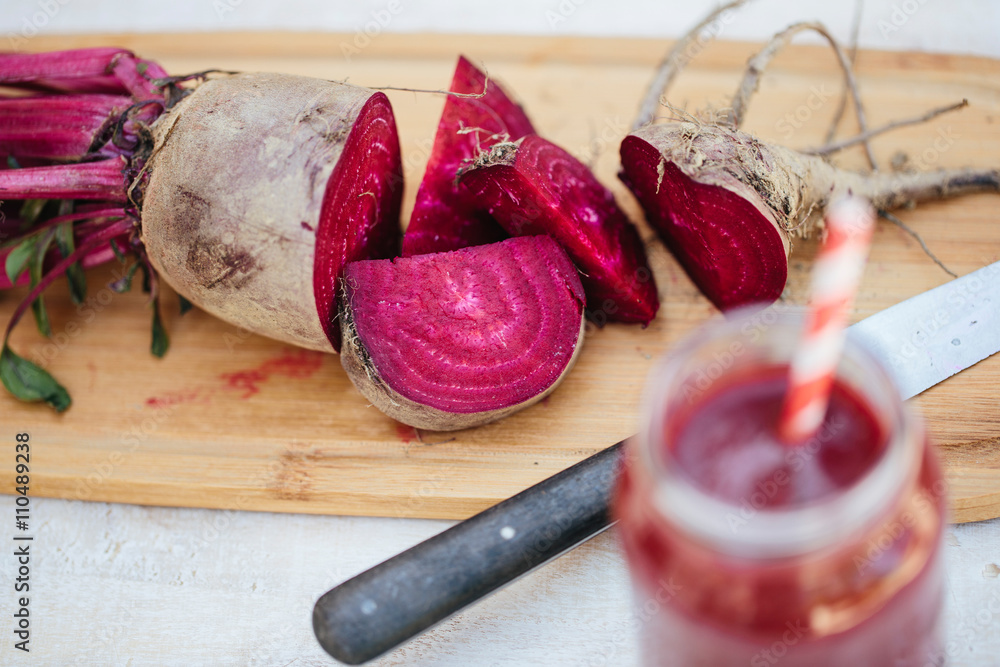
x: 229, y: 420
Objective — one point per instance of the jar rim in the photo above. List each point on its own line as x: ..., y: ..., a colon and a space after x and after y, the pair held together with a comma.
x: 766, y: 532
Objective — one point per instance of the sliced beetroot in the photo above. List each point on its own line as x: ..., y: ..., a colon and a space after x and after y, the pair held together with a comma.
x: 723, y: 236
x: 360, y: 214
x: 534, y: 187
x: 444, y: 216
x: 457, y: 339
x: 262, y: 184
x: 729, y: 219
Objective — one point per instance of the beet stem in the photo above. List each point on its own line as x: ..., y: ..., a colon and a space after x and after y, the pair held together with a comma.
x: 672, y: 64
x: 52, y: 222
x: 58, y: 127
x: 759, y: 62
x: 93, y: 70
x: 88, y: 180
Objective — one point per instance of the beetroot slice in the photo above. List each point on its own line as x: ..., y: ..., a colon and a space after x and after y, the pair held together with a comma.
x: 444, y: 216
x: 359, y: 218
x: 731, y: 252
x: 535, y: 187
x: 457, y: 339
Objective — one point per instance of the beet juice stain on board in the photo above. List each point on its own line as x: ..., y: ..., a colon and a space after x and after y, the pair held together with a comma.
x: 827, y: 553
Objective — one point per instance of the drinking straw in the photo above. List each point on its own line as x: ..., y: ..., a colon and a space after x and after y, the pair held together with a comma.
x: 835, y: 278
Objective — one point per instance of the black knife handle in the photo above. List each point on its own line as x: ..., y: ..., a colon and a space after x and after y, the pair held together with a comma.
x: 381, y: 608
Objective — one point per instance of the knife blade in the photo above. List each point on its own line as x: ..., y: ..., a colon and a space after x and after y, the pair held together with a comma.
x: 922, y: 341
x: 930, y: 337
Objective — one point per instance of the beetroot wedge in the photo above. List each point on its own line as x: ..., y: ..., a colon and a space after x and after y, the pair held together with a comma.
x: 721, y: 231
x: 531, y: 186
x: 445, y: 217
x: 457, y: 339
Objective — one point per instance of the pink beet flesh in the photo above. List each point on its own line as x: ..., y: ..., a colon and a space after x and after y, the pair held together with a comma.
x: 548, y: 191
x: 359, y: 218
x: 472, y: 330
x: 731, y: 252
x: 444, y: 216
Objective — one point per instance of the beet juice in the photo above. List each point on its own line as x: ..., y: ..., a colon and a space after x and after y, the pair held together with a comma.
x: 745, y: 551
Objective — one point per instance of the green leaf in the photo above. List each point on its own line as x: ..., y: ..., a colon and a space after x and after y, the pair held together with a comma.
x: 74, y: 274
x: 161, y: 342
x: 29, y: 382
x: 31, y: 209
x: 36, y: 270
x: 17, y: 260
x: 12, y: 162
x: 141, y: 67
x: 184, y: 303
x: 124, y: 283
x: 115, y: 249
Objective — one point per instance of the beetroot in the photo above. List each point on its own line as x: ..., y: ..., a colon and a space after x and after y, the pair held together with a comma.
x: 261, y: 187
x: 248, y: 193
x: 534, y: 187
x: 457, y: 339
x: 728, y: 204
x: 446, y: 217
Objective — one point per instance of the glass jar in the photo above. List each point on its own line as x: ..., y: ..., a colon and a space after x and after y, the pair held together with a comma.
x: 745, y: 551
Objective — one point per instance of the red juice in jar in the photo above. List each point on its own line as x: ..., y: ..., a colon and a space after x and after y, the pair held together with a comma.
x: 745, y: 551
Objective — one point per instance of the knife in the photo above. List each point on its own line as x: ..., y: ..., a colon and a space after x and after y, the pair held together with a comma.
x: 922, y: 341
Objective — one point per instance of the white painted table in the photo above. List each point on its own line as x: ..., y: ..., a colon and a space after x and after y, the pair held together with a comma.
x: 127, y: 585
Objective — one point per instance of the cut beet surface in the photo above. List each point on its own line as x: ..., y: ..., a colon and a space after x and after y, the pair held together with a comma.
x: 444, y: 216
x: 457, y: 339
x: 534, y: 187
x: 730, y: 250
x: 360, y: 214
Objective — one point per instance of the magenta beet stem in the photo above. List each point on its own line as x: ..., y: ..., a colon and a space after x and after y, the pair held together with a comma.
x: 58, y: 127
x: 96, y: 70
x: 88, y: 180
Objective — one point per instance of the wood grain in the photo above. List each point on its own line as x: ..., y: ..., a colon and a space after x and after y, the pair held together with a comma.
x: 229, y: 420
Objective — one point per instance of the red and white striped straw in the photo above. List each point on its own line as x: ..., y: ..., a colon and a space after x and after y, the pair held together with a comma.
x: 835, y: 279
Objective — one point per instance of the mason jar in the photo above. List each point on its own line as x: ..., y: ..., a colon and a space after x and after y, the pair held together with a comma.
x: 744, y: 550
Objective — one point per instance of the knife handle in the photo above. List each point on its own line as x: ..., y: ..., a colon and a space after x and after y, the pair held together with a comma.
x: 383, y: 607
